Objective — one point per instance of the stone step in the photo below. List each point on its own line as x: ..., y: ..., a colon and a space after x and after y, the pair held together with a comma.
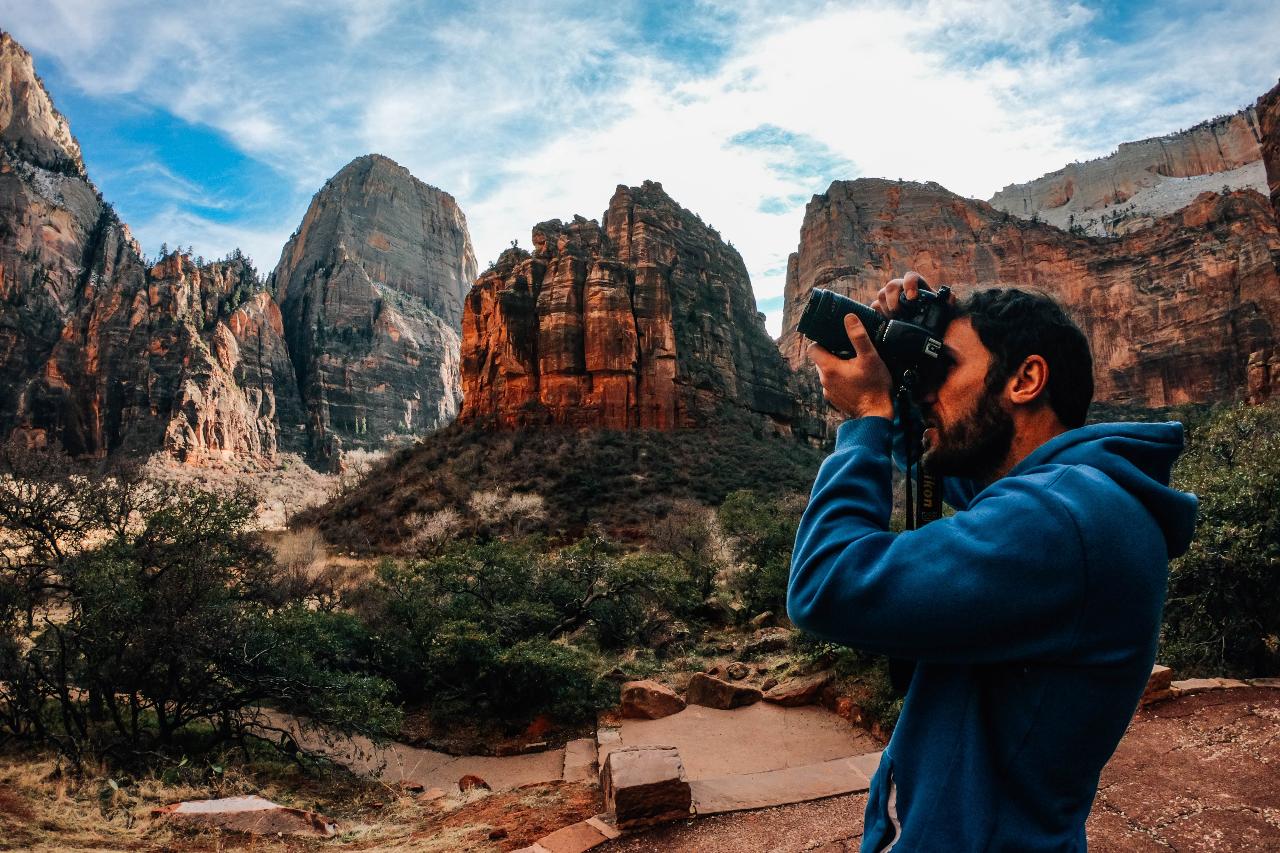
x: 580, y: 761
x: 780, y: 787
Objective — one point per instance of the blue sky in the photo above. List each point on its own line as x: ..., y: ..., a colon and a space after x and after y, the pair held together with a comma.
x: 212, y: 124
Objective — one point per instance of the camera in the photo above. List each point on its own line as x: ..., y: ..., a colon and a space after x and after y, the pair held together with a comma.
x: 910, y: 343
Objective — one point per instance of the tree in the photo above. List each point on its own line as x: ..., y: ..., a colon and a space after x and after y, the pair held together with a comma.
x: 1222, y: 615
x: 155, y: 608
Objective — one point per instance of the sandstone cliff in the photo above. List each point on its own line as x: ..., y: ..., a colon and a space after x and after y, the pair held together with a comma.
x: 645, y: 321
x: 1144, y: 180
x: 1268, y: 111
x: 1176, y: 312
x: 370, y: 289
x: 99, y: 353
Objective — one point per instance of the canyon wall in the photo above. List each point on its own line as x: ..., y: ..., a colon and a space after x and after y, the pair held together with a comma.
x: 1176, y: 312
x: 370, y: 289
x: 646, y: 321
x: 1144, y: 180
x: 99, y: 353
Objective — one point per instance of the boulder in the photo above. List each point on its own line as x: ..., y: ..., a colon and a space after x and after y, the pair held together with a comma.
x: 645, y: 785
x: 251, y: 814
x: 713, y: 693
x: 471, y: 782
x: 799, y: 691
x: 1158, y: 685
x: 649, y: 700
x: 768, y: 640
x: 738, y: 671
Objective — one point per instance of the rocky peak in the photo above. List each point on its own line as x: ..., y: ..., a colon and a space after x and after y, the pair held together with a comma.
x: 370, y: 288
x: 31, y: 128
x: 1185, y: 310
x: 645, y: 322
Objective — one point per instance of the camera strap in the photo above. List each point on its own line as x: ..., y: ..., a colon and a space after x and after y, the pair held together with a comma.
x: 923, y: 504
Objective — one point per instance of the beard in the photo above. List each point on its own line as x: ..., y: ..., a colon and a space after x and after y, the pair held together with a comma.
x: 975, y: 446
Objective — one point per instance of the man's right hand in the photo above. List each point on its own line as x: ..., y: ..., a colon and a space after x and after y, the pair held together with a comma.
x: 890, y: 296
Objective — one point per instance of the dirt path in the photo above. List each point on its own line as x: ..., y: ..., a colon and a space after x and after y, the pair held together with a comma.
x: 1200, y: 773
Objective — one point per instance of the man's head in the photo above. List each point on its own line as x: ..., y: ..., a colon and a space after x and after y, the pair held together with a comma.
x: 1021, y: 366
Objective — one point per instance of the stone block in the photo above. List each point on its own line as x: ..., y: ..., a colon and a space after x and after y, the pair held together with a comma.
x: 580, y: 761
x: 645, y: 785
x: 714, y: 693
x: 649, y: 700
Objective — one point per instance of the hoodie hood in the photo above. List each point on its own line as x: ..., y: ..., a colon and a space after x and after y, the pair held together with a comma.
x: 1139, y: 457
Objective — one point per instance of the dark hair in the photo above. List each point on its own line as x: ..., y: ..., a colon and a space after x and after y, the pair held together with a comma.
x: 1014, y: 324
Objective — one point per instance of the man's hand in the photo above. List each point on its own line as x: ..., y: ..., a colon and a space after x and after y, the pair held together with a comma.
x: 860, y: 386
x: 890, y: 296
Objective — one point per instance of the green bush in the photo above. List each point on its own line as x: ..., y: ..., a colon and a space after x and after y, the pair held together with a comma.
x: 1222, y: 615
x: 762, y: 531
x: 461, y: 632
x: 538, y: 674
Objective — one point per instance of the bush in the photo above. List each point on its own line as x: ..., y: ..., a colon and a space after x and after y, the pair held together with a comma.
x: 553, y: 678
x: 1222, y: 615
x: 762, y: 532
x: 462, y: 631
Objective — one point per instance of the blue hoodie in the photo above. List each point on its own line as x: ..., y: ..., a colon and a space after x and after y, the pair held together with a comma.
x: 1033, y: 614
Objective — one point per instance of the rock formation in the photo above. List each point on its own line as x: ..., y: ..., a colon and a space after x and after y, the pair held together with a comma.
x: 1176, y: 312
x: 97, y: 352
x: 370, y: 289
x: 647, y: 321
x: 1268, y: 111
x: 1144, y: 180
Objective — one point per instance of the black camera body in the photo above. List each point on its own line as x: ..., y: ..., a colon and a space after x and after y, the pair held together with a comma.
x: 910, y: 344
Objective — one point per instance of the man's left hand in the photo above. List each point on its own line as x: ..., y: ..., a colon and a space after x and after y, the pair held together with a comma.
x: 859, y: 387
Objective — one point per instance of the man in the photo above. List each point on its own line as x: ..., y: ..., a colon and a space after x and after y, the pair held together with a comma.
x: 1032, y: 613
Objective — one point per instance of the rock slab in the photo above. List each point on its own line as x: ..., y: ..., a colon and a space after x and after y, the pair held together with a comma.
x: 644, y: 786
x: 803, y: 690
x: 712, y: 692
x: 253, y: 815
x: 649, y: 700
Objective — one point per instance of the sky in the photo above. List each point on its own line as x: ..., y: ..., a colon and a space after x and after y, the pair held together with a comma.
x: 213, y: 124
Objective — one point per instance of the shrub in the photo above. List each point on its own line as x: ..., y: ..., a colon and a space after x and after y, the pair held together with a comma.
x: 1222, y: 615
x: 761, y: 532
x: 540, y: 675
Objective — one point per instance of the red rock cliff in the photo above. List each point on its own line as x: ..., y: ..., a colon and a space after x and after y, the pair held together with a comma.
x: 1175, y: 312
x: 647, y: 321
x: 97, y: 352
x: 1268, y: 110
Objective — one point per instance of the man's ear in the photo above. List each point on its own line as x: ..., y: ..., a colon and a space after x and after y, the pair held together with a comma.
x: 1029, y: 381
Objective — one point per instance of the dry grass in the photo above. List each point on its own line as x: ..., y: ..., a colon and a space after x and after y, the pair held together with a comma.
x: 44, y: 810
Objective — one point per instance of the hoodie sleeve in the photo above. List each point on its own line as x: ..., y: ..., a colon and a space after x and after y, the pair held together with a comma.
x: 1002, y: 580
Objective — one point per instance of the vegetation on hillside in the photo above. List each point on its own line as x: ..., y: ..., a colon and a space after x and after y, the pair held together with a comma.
x: 620, y: 481
x: 138, y: 618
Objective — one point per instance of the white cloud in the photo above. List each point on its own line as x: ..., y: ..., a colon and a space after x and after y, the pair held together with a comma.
x: 528, y: 112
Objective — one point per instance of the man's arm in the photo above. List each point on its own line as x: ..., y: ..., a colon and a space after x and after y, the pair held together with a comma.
x: 1003, y: 580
